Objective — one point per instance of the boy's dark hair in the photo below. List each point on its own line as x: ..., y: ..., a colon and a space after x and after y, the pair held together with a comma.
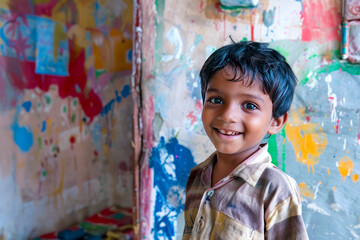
x: 256, y: 62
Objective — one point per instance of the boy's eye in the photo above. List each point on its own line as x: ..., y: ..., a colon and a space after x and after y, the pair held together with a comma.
x: 250, y: 106
x: 215, y: 100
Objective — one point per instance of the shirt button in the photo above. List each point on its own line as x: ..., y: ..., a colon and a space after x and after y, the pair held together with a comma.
x: 201, y: 223
x: 210, y: 193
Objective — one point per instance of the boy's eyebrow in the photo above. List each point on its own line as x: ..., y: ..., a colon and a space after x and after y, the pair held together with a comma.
x: 247, y: 95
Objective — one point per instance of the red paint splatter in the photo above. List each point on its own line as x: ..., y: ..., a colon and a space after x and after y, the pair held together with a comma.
x: 72, y: 139
x: 307, y: 118
x: 252, y: 18
x: 26, y: 78
x: 319, y: 22
x: 96, y: 153
x: 337, y: 126
x: 358, y: 138
x: 45, y: 8
x: 201, y: 6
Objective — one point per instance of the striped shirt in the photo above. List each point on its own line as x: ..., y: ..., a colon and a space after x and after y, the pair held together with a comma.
x: 255, y: 201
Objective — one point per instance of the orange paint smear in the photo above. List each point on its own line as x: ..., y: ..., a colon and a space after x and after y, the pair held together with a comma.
x: 306, y: 191
x: 355, y: 178
x: 308, y: 139
x: 345, y: 167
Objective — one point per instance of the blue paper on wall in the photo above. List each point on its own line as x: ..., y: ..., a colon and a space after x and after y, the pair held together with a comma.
x: 52, y: 49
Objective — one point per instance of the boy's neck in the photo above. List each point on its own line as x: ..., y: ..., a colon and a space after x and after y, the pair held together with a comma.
x: 226, y: 163
x: 233, y: 160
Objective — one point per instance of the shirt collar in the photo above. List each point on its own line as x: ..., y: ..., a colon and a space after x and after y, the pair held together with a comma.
x: 250, y: 170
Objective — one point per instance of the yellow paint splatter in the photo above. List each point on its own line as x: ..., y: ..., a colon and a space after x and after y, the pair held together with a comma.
x: 355, y: 178
x: 328, y: 170
x: 308, y: 139
x: 21, y: 165
x: 346, y: 166
x: 306, y: 191
x: 334, y: 188
x: 85, y: 9
x: 60, y: 188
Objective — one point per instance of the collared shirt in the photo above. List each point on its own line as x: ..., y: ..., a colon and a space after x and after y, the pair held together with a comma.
x: 255, y: 201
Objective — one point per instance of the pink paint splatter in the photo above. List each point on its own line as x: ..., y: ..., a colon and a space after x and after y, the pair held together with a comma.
x: 192, y: 117
x: 319, y: 22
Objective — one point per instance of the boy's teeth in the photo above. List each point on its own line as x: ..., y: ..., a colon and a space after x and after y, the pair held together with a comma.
x: 227, y: 132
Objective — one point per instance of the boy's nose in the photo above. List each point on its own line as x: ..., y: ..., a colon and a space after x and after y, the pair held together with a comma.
x: 230, y: 113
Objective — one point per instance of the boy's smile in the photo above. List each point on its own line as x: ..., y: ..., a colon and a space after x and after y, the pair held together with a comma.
x: 236, y: 116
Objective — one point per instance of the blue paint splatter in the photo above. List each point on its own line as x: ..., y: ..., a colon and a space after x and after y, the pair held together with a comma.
x: 129, y: 55
x: 27, y: 106
x: 23, y: 137
x: 171, y: 163
x: 117, y: 97
x: 107, y: 108
x: 198, y: 39
x: 125, y: 91
x: 43, y: 126
x: 268, y: 19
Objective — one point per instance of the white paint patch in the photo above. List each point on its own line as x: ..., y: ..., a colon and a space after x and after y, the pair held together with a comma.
x: 64, y: 141
x: 316, y: 190
x: 336, y: 207
x: 318, y: 209
x: 344, y: 146
x: 332, y: 98
x: 353, y: 233
x: 312, y: 80
x: 173, y: 36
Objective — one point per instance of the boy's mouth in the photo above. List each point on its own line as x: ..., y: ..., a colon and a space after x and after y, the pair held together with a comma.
x: 227, y: 133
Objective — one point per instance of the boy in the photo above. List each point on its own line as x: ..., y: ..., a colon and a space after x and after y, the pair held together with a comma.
x: 247, y: 89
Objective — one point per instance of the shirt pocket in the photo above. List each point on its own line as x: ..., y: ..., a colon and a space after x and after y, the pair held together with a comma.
x: 227, y: 228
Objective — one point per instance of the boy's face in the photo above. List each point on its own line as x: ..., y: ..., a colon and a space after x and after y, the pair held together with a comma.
x: 236, y: 117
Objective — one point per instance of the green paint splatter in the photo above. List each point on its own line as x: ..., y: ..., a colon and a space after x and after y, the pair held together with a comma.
x: 40, y: 143
x: 336, y: 65
x: 98, y: 73
x: 282, y: 51
x: 54, y: 148
x: 272, y: 149
x: 44, y: 173
x: 64, y: 109
x: 75, y: 102
x: 47, y: 99
x: 73, y: 117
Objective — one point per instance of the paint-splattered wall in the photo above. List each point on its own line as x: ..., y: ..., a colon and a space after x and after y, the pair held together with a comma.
x: 319, y: 146
x: 65, y: 112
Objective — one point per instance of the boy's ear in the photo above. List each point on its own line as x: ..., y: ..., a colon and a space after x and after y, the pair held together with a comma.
x: 277, y: 124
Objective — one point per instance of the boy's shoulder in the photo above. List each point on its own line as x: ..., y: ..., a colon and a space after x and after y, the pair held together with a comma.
x: 277, y: 179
